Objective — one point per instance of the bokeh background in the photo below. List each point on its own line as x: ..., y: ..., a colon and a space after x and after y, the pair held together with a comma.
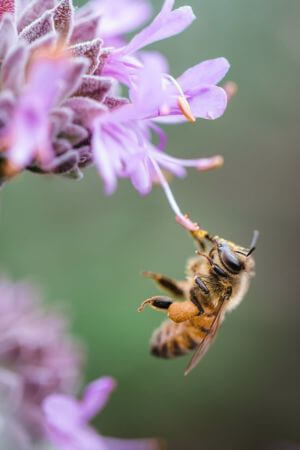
x: 88, y: 251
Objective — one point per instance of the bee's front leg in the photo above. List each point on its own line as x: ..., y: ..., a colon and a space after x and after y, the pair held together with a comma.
x: 157, y: 302
x: 200, y: 237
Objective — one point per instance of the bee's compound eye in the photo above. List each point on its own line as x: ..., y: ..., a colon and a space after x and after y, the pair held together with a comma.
x: 230, y: 260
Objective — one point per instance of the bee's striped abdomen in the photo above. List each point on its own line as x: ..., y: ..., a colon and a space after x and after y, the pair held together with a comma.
x: 173, y: 339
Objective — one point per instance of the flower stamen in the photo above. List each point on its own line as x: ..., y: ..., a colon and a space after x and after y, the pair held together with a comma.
x: 186, y: 109
x: 182, y: 100
x: 180, y: 217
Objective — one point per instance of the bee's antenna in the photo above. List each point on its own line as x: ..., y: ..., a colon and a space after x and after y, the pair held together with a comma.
x: 253, y: 243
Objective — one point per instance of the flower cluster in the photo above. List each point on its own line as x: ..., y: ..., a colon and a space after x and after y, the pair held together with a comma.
x: 40, y: 367
x: 37, y: 355
x: 63, y: 73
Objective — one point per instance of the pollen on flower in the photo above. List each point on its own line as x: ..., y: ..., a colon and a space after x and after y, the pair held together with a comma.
x: 186, y: 109
x: 205, y: 164
x: 231, y: 88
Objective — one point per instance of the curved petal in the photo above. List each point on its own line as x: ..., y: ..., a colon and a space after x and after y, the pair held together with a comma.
x: 96, y: 396
x: 207, y: 72
x: 103, y: 162
x: 62, y: 413
x: 209, y: 103
x: 148, y: 94
x: 140, y: 178
x: 166, y: 24
x: 123, y: 16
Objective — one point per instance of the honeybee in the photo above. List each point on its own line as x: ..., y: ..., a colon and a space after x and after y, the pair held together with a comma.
x: 217, y: 279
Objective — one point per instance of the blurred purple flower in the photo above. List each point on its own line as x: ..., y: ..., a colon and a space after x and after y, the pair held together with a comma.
x: 37, y: 355
x: 117, y: 17
x: 62, y: 73
x: 67, y: 421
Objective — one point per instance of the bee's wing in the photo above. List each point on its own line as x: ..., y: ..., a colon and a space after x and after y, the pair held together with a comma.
x: 209, y: 338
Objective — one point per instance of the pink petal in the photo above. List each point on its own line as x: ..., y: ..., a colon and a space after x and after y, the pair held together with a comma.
x: 207, y: 72
x: 8, y: 35
x: 29, y: 134
x: 166, y: 24
x: 30, y: 127
x: 167, y: 6
x: 122, y: 16
x: 140, y: 177
x: 157, y: 58
x: 13, y: 67
x: 96, y: 396
x: 147, y: 93
x: 62, y: 413
x: 175, y: 169
x: 72, y: 78
x: 103, y: 162
x: 209, y: 103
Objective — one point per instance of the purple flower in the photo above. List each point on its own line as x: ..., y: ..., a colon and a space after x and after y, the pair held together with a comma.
x: 37, y: 355
x: 67, y: 421
x: 117, y: 18
x: 122, y: 140
x: 61, y: 75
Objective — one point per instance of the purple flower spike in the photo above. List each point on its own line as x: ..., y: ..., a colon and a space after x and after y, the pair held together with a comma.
x: 67, y: 421
x: 37, y: 356
x: 62, y: 71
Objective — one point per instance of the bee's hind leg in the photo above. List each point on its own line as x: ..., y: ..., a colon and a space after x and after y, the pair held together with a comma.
x: 177, y: 311
x: 157, y: 302
x: 169, y: 284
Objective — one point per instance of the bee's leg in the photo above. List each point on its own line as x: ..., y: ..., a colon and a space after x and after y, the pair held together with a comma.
x: 200, y: 236
x: 195, y: 300
x: 158, y: 302
x: 169, y: 284
x: 177, y: 311
x: 182, y: 311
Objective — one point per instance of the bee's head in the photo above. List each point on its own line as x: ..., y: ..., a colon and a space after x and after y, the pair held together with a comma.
x: 236, y: 259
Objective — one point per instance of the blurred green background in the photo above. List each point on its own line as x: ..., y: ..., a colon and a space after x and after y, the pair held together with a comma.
x: 89, y: 250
